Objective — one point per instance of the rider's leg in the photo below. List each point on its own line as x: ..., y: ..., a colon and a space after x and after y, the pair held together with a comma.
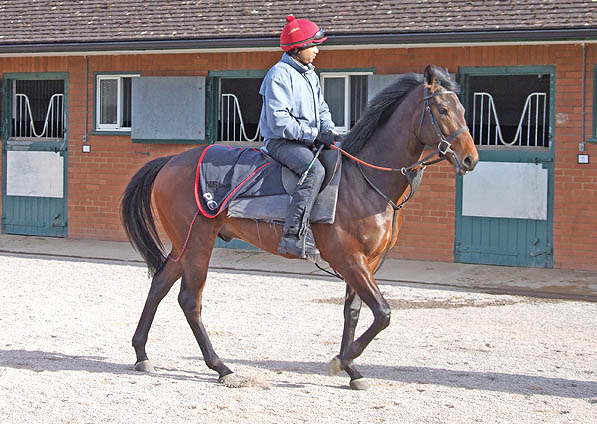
x: 297, y: 238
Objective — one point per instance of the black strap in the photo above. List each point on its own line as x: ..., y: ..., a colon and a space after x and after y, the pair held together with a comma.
x: 334, y: 274
x: 414, y: 180
x: 381, y: 193
x: 385, y: 254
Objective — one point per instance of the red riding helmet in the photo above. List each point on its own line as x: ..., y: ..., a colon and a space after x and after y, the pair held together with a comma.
x: 300, y: 33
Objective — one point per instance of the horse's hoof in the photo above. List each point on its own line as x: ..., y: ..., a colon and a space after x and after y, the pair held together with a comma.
x: 234, y: 381
x: 144, y: 366
x: 359, y: 384
x: 335, y: 366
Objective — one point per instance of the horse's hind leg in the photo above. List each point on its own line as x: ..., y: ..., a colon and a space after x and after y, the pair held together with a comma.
x: 161, y: 284
x: 190, y: 297
x: 352, y: 310
x: 190, y: 302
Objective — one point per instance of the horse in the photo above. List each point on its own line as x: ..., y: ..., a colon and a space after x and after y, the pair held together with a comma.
x: 414, y: 112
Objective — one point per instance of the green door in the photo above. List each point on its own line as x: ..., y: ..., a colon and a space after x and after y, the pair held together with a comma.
x: 34, y: 143
x: 504, y: 209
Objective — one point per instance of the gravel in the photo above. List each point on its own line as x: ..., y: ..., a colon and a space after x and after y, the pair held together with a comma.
x: 447, y: 356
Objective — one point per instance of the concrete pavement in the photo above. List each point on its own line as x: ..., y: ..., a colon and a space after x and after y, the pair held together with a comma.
x: 556, y: 283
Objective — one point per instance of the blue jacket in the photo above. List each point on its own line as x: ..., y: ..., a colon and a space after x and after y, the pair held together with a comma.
x: 293, y: 104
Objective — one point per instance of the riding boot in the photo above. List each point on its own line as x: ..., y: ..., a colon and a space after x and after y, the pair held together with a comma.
x: 301, y: 245
x: 298, y: 238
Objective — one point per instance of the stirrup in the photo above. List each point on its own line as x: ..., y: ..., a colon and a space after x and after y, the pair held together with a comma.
x: 304, y: 248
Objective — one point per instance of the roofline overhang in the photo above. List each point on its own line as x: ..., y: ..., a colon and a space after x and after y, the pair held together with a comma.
x: 335, y: 41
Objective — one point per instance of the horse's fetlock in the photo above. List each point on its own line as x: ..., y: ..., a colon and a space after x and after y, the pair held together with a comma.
x: 138, y: 340
x: 354, y: 314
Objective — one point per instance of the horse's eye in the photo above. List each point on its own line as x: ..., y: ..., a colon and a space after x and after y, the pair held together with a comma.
x: 443, y: 111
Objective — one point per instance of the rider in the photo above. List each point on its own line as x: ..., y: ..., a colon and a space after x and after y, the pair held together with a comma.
x: 295, y: 119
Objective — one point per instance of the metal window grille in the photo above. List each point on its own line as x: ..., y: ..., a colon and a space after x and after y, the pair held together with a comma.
x: 23, y: 119
x: 232, y: 127
x: 532, y: 128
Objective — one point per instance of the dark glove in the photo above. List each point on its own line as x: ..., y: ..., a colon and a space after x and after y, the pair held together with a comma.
x: 326, y: 139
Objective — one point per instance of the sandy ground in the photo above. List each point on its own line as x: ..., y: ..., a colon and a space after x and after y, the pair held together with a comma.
x: 447, y: 357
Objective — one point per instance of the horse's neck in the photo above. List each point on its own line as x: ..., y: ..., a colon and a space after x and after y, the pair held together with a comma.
x: 393, y: 146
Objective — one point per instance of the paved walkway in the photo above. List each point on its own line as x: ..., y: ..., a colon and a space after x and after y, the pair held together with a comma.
x: 559, y: 283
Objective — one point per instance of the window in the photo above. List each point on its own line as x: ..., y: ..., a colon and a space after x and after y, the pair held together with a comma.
x: 113, y: 102
x: 346, y: 95
x: 509, y: 110
x: 38, y: 109
x: 239, y: 109
x: 234, y: 106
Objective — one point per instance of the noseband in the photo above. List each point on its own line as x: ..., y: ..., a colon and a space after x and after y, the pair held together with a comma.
x: 445, y: 143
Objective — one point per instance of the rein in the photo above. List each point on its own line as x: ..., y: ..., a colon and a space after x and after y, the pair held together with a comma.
x: 421, y: 163
x: 414, y: 172
x: 444, y: 146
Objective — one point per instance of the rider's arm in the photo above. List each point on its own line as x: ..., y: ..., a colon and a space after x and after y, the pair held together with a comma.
x: 277, y: 105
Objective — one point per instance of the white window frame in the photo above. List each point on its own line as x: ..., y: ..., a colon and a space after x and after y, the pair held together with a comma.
x: 110, y: 127
x: 346, y: 75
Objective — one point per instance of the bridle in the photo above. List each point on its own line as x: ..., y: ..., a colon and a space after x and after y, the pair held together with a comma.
x: 444, y: 146
x: 445, y: 143
x: 414, y: 172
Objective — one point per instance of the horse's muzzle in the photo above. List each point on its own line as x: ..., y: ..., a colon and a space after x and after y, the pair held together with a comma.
x: 464, y: 165
x: 469, y: 162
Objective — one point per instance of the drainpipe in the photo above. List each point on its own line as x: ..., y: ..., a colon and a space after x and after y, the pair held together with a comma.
x: 581, y: 145
x: 86, y: 98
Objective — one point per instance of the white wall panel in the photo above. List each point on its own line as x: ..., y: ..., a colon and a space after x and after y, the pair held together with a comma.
x: 34, y: 174
x: 506, y: 190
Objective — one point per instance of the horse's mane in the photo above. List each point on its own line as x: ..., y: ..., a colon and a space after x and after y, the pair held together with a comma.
x: 385, y: 103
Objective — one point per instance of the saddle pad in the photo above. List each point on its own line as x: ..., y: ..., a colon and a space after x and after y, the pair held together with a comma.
x: 273, y: 208
x: 252, y: 185
x: 225, y: 172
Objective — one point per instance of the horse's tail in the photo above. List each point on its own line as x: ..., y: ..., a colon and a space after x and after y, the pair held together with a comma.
x: 137, y: 215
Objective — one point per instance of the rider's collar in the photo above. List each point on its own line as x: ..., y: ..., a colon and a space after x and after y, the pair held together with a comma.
x: 296, y: 64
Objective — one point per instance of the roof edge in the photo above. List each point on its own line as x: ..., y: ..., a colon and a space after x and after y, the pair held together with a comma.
x: 572, y: 34
x: 339, y: 39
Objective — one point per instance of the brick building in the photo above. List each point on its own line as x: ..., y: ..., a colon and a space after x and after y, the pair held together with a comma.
x: 80, y: 79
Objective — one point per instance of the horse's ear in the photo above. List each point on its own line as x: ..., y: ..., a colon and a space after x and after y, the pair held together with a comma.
x: 429, y: 75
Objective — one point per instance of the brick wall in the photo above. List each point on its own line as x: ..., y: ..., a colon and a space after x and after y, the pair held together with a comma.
x: 575, y: 186
x: 96, y: 179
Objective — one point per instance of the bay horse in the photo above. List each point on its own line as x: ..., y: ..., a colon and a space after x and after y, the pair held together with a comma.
x: 413, y: 112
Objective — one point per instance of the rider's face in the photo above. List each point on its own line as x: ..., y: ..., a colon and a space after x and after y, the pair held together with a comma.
x: 307, y: 56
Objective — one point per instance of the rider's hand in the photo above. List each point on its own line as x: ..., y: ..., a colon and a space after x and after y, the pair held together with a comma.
x: 326, y: 139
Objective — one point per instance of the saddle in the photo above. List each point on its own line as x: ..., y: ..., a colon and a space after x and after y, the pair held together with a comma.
x: 251, y: 184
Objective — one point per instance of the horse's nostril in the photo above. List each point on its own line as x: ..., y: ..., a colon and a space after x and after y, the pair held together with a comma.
x: 468, y: 162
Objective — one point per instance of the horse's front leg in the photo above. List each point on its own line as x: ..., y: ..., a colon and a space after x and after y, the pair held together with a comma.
x: 161, y: 284
x: 352, y: 310
x: 358, y: 275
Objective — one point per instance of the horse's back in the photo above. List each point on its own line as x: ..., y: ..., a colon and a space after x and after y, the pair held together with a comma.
x: 188, y: 158
x: 175, y: 183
